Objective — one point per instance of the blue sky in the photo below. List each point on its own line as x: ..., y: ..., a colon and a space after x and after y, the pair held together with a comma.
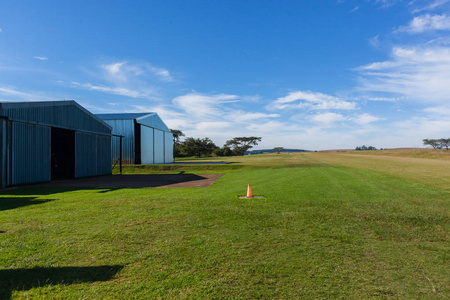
x: 308, y: 74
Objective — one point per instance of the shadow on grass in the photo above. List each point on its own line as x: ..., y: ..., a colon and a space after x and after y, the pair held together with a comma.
x: 115, y: 182
x: 34, y: 190
x: 104, y: 184
x: 26, y: 279
x: 16, y: 202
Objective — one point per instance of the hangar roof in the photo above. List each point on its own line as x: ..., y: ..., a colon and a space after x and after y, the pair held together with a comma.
x: 150, y: 119
x: 64, y: 114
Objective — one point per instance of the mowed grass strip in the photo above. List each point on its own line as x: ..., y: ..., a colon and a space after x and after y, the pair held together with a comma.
x: 430, y: 170
x: 323, y: 231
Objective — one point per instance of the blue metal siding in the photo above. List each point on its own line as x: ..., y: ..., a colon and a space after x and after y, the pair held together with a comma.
x: 3, y: 152
x: 103, y: 155
x: 168, y: 147
x: 61, y: 114
x: 158, y: 147
x: 126, y: 129
x: 92, y: 154
x: 85, y: 154
x: 124, y: 116
x: 30, y: 153
x: 155, y: 138
x: 147, y: 149
x: 154, y: 121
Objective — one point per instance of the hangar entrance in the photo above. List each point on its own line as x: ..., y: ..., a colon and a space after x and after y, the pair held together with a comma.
x: 63, y: 153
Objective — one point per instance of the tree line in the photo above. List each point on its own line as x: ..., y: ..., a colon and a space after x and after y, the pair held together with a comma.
x: 437, y: 143
x: 364, y: 147
x: 205, y: 147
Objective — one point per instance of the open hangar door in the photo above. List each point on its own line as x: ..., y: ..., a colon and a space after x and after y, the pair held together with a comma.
x: 62, y: 153
x: 39, y: 142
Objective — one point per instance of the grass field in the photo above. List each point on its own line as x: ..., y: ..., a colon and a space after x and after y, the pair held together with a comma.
x: 333, y: 225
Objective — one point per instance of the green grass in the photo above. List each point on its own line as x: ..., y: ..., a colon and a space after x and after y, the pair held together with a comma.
x: 442, y: 154
x: 325, y: 230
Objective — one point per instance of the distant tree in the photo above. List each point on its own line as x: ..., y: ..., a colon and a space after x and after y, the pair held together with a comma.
x: 431, y: 142
x: 218, y: 151
x: 197, y: 147
x: 177, y: 134
x: 278, y: 149
x: 224, y: 151
x: 241, y: 144
x: 444, y: 143
x: 364, y: 147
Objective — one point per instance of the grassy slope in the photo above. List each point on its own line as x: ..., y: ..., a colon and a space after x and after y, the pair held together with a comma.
x: 440, y: 154
x: 421, y: 168
x: 324, y: 231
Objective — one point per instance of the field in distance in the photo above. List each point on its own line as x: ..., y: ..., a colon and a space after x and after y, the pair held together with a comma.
x: 333, y: 225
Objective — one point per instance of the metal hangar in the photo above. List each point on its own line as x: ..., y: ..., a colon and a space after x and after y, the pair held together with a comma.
x: 146, y: 139
x: 41, y: 141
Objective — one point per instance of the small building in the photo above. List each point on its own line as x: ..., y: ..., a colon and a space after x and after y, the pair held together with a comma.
x: 41, y: 141
x: 146, y: 139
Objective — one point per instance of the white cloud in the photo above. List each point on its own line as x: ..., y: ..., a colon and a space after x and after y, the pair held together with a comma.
x: 124, y: 72
x: 440, y: 41
x: 114, y: 68
x: 242, y: 116
x: 387, y: 99
x: 417, y: 128
x: 433, y: 5
x: 41, y: 57
x: 163, y: 74
x: 164, y: 111
x: 375, y: 41
x: 328, y: 118
x: 364, y: 119
x: 114, y: 90
x: 270, y: 127
x: 328, y: 130
x: 140, y: 80
x: 386, y: 3
x: 427, y: 22
x: 311, y: 100
x: 1, y: 30
x: 120, y: 73
x: 438, y: 110
x: 201, y: 105
x: 421, y: 73
x: 14, y: 94
x: 211, y: 115
x: 354, y: 9
x: 215, y: 125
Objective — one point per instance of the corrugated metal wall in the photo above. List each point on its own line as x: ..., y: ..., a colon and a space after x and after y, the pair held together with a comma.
x: 26, y: 140
x: 168, y: 147
x: 147, y: 136
x: 65, y: 116
x: 30, y: 153
x: 3, y: 151
x: 92, y: 154
x: 158, y: 146
x: 153, y: 121
x: 126, y: 129
x: 104, y: 155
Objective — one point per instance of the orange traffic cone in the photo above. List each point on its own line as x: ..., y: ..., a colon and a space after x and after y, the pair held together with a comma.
x: 249, y: 192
